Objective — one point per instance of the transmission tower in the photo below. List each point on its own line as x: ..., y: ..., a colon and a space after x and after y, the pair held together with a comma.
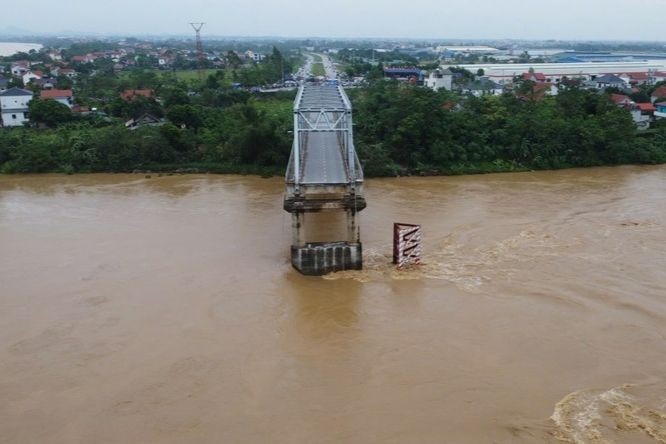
x: 200, y: 52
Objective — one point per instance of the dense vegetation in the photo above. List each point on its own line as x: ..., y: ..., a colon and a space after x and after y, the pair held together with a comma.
x: 400, y: 129
x: 242, y: 134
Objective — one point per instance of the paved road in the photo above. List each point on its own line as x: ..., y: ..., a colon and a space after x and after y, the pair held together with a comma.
x: 331, y: 72
x: 323, y: 161
x: 306, y: 70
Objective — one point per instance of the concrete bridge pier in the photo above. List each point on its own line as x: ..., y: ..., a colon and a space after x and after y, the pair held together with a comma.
x: 320, y: 258
x: 296, y: 225
x: 353, y: 231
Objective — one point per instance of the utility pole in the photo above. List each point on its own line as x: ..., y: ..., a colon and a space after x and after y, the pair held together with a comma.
x: 200, y: 52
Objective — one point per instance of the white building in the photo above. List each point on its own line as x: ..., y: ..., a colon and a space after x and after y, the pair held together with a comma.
x: 554, y: 72
x: 19, y: 68
x: 468, y: 49
x: 482, y: 87
x: 440, y: 79
x: 14, y: 106
x: 254, y: 56
x: 30, y: 75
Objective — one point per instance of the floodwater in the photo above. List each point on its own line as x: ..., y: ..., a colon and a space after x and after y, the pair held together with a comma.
x: 165, y: 310
x: 11, y: 48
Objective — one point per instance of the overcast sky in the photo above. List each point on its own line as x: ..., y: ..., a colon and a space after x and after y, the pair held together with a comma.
x: 465, y: 19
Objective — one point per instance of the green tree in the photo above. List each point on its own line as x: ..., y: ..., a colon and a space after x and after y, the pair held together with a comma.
x: 185, y: 115
x: 49, y: 112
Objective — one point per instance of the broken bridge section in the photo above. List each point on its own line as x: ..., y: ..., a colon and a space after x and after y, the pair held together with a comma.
x: 324, y: 175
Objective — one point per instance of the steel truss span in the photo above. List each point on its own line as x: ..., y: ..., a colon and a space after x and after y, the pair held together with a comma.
x: 323, y: 151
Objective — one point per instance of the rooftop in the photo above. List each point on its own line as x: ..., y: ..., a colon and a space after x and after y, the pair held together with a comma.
x: 56, y: 93
x: 13, y: 92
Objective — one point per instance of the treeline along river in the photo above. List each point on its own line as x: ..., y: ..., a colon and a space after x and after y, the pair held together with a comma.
x: 399, y: 130
x: 166, y: 310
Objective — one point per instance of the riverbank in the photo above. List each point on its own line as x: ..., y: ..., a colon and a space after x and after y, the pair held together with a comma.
x: 399, y: 130
x: 273, y: 171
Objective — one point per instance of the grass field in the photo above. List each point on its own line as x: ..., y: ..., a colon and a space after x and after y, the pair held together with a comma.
x: 318, y: 70
x: 183, y: 75
x: 189, y: 74
x: 282, y: 109
x: 316, y: 57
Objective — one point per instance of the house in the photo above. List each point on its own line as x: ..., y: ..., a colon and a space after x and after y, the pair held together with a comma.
x: 46, y: 82
x: 539, y: 91
x: 19, y: 68
x: 55, y: 55
x: 483, y: 87
x: 66, y: 72
x: 166, y: 58
x: 637, y: 78
x: 145, y: 120
x: 32, y: 75
x: 659, y: 93
x: 440, y: 79
x: 642, y: 114
x: 3, y: 84
x: 254, y: 56
x: 609, y: 81
x: 621, y: 100
x: 405, y: 74
x: 130, y: 94
x: 81, y: 110
x: 660, y: 112
x: 658, y: 76
x: 63, y: 96
x: 536, y: 77
x: 14, y: 106
x: 79, y: 59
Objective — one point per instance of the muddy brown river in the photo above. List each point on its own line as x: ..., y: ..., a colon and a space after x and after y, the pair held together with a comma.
x: 165, y: 310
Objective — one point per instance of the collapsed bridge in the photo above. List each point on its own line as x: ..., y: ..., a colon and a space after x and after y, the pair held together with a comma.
x: 324, y: 175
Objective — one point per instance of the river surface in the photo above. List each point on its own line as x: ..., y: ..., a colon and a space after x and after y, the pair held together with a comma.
x: 11, y: 48
x: 165, y: 310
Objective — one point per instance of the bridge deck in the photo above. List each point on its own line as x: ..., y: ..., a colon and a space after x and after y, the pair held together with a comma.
x: 321, y: 97
x: 323, y: 162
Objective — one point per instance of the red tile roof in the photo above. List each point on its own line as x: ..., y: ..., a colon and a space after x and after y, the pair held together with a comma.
x: 659, y: 92
x: 537, y: 75
x: 638, y: 76
x: 80, y: 109
x: 56, y: 93
x: 619, y: 99
x: 646, y: 107
x: 131, y: 93
x: 539, y: 91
